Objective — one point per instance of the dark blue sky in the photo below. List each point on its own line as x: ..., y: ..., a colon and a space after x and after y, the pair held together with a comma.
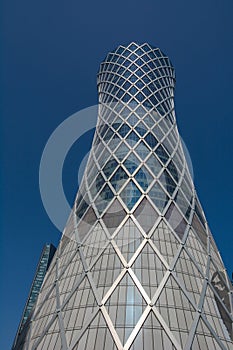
x: 51, y: 51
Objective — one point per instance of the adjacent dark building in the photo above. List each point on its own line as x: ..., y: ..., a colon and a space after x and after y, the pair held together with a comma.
x: 42, y: 267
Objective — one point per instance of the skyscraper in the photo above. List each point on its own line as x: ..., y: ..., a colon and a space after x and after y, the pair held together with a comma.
x: 42, y: 267
x: 137, y: 266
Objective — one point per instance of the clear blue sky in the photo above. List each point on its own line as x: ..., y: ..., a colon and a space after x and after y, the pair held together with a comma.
x: 51, y: 51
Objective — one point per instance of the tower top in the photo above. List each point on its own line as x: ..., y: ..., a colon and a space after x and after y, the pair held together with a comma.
x: 135, y: 50
x: 137, y: 74
x: 138, y: 48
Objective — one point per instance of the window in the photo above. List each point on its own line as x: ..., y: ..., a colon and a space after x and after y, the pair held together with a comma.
x: 151, y: 140
x: 130, y: 195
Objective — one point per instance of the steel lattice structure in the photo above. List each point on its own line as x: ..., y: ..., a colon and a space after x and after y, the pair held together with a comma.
x: 137, y: 266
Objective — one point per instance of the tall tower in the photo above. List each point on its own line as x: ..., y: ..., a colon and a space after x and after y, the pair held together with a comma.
x: 42, y: 267
x: 137, y: 266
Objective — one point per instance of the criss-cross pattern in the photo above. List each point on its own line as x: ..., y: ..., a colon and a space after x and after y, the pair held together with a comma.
x: 137, y: 266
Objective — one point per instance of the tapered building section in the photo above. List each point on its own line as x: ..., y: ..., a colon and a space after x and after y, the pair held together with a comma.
x: 137, y: 267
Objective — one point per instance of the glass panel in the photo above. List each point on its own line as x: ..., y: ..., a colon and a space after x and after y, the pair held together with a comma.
x: 139, y: 51
x: 133, y: 57
x: 104, y: 198
x: 126, y: 73
x: 123, y: 131
x: 162, y: 154
x: 141, y: 111
x: 97, y: 185
x: 146, y: 58
x: 172, y: 169
x: 110, y: 167
x: 126, y: 85
x: 118, y: 179
x: 158, y: 196
x: 146, y: 91
x: 165, y: 241
x: 131, y: 163
x: 182, y: 203
x: 133, y: 90
x: 161, y: 109
x: 132, y: 120
x: 102, y: 129
x: 121, y: 151
x: 103, y: 277
x: 108, y: 135
x: 103, y: 158
x: 126, y: 63
x: 149, y: 121
x: 128, y: 239
x: 167, y: 182
x: 146, y: 47
x: 146, y: 69
x: 199, y: 229
x: 126, y: 53
x: 120, y: 93
x: 114, y: 142
x: 198, y: 211
x: 140, y: 84
x: 176, y: 220
x: 158, y: 132
x: 133, y: 67
x: 153, y: 100
x: 106, y: 193
x: 139, y: 62
x: 139, y: 73
x: 130, y: 195
x: 221, y: 288
x: 143, y: 178
x: 147, y: 78
x: 86, y: 223
x: 133, y: 103
x: 154, y: 165
x: 128, y: 306
x: 151, y: 140
x: 116, y: 124
x: 140, y: 97
x: 149, y: 270
x: 145, y: 215
x: 114, y: 216
x: 125, y: 112
x: 141, y: 129
x: 82, y: 208
x: 132, y: 139
x: 133, y: 78
x: 151, y: 64
x: 126, y: 98
x: 142, y: 150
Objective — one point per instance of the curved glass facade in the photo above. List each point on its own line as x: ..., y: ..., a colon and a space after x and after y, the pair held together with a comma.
x: 137, y: 267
